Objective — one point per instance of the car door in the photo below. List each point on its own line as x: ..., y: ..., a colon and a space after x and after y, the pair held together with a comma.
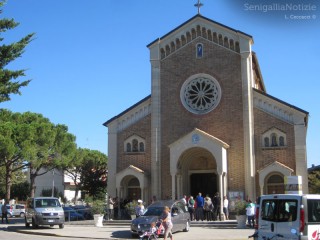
x: 288, y: 221
x: 268, y: 213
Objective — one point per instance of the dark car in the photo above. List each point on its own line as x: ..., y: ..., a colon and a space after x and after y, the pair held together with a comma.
x: 84, y: 210
x: 72, y: 215
x: 179, y: 215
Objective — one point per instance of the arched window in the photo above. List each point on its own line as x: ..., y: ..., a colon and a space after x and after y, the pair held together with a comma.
x: 275, y: 184
x: 141, y: 147
x: 281, y: 141
x: 266, y: 142
x: 134, y: 145
x: 128, y: 147
x: 274, y: 140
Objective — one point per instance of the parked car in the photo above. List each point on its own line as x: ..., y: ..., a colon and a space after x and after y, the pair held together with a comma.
x: 179, y: 215
x: 84, y: 210
x: 16, y: 210
x: 72, y: 215
x: 44, y: 211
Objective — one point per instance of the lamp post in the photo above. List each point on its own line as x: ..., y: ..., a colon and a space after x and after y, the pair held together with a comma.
x: 52, y: 183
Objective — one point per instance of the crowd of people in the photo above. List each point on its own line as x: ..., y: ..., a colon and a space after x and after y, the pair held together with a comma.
x: 206, y: 208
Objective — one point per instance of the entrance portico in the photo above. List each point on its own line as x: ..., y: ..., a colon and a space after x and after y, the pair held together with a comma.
x: 198, y: 148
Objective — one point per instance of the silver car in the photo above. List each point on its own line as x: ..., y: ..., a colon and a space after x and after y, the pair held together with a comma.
x: 179, y: 215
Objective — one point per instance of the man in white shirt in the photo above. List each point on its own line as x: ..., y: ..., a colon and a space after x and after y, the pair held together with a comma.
x: 226, y: 207
x: 250, y: 213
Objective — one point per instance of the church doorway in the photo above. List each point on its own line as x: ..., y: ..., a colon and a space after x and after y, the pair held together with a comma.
x: 132, y: 190
x: 206, y: 183
x: 197, y: 173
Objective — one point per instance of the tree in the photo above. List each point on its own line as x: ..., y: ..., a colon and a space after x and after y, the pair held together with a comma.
x: 93, y: 176
x: 8, y: 53
x: 73, y: 170
x: 314, y: 181
x: 31, y: 140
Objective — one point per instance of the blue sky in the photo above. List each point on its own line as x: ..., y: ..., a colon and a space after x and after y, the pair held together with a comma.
x: 89, y: 60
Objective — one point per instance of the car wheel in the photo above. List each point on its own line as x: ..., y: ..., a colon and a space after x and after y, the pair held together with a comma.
x: 9, y: 215
x: 22, y: 215
x: 26, y: 223
x: 134, y: 235
x: 61, y: 226
x: 34, y: 225
x: 187, y: 227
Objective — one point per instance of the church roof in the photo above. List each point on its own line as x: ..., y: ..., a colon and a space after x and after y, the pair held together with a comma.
x: 199, y: 17
x: 125, y: 111
x: 280, y: 101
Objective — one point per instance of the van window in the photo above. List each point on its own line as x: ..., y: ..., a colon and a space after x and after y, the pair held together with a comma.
x: 313, y: 210
x: 279, y: 210
x: 43, y: 203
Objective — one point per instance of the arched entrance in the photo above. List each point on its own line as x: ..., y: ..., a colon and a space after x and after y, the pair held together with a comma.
x: 132, y: 183
x: 197, y: 171
x: 131, y: 187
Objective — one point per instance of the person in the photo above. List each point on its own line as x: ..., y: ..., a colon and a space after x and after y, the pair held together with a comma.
x: 111, y: 203
x: 139, y: 208
x: 191, y: 208
x: 4, y: 212
x: 207, y: 207
x: 165, y: 218
x: 200, y: 203
x: 226, y: 207
x: 216, y: 204
x: 250, y: 211
x: 184, y: 199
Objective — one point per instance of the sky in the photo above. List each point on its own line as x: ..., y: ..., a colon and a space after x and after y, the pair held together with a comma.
x: 89, y: 62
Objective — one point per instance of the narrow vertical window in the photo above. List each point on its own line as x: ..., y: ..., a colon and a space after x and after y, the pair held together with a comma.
x: 266, y: 142
x: 274, y: 140
x: 281, y: 141
x: 128, y: 147
x: 134, y: 145
x: 141, y: 147
x: 199, y: 50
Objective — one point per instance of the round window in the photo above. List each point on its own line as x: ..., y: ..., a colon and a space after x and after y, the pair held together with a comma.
x: 200, y: 94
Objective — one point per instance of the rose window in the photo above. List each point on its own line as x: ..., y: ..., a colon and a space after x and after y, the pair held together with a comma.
x: 200, y: 95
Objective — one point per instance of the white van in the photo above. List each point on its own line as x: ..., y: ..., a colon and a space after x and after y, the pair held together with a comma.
x: 44, y: 211
x: 288, y: 216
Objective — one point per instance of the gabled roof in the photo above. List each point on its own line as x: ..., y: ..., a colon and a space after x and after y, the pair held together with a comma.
x: 280, y: 101
x: 125, y: 111
x: 203, y: 18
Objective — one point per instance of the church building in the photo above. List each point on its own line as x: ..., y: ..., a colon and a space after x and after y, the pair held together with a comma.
x: 208, y: 125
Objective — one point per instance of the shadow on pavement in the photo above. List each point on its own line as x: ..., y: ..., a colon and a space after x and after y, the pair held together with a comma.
x: 121, y: 234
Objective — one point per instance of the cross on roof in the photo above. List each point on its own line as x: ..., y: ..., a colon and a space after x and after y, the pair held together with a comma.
x: 198, y: 5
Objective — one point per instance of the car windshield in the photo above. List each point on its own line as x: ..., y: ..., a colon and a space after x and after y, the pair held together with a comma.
x: 44, y: 203
x: 153, y: 211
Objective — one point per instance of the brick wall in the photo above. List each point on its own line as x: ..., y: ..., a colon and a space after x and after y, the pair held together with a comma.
x: 225, y: 122
x: 141, y: 160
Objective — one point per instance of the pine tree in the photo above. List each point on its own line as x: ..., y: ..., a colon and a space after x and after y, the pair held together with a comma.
x: 8, y: 53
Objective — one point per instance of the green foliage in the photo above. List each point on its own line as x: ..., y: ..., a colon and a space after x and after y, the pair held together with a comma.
x: 93, y: 173
x: 240, y: 207
x: 20, y: 191
x: 131, y: 207
x: 8, y: 53
x: 314, y: 182
x: 31, y: 140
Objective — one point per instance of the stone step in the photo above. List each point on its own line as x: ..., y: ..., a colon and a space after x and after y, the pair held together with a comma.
x: 211, y: 224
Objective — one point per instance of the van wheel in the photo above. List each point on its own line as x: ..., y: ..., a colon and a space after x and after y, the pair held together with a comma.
x: 22, y: 215
x: 34, y: 225
x: 61, y: 226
